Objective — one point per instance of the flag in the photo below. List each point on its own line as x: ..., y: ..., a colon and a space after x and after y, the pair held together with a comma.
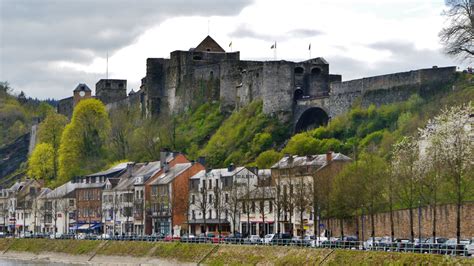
x: 230, y: 44
x: 309, y: 48
x: 274, y: 46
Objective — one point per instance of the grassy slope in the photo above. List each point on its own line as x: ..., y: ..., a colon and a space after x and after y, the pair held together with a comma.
x: 228, y: 254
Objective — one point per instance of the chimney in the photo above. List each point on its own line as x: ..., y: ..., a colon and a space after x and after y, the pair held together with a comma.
x: 202, y: 160
x: 163, y: 155
x: 328, y: 156
x: 166, y: 167
x: 129, y: 169
x: 231, y: 167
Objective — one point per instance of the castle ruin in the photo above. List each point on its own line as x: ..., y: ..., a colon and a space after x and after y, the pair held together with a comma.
x: 302, y: 93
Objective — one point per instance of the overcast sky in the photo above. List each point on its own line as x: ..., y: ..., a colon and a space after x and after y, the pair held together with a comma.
x: 47, y: 47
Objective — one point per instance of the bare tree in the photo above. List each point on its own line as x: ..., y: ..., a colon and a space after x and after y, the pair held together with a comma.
x: 202, y: 203
x: 234, y: 204
x: 302, y: 198
x: 458, y: 36
x: 405, y: 156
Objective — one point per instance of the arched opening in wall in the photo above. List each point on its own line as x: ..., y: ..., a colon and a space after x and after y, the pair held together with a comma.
x: 211, y: 75
x: 299, y: 70
x: 197, y: 57
x: 316, y: 71
x: 310, y: 119
x: 298, y: 94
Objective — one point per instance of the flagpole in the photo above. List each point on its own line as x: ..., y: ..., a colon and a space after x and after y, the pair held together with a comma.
x: 107, y: 67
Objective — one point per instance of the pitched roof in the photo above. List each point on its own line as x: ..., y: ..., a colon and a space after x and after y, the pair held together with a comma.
x: 309, y: 160
x: 117, y: 169
x: 209, y: 45
x: 82, y: 87
x: 225, y: 171
x: 171, y: 174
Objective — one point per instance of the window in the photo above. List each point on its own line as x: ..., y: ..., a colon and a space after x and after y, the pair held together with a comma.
x: 270, y: 206
x: 210, y: 198
x: 193, y: 199
x: 226, y: 198
x: 316, y: 71
x: 193, y: 215
x: 210, y: 183
x: 299, y: 70
x: 210, y: 214
x: 71, y: 203
x: 217, y: 183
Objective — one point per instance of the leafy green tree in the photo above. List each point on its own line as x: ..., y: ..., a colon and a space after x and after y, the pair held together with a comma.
x: 41, y: 162
x: 302, y: 144
x: 267, y: 158
x: 345, y: 197
x: 83, y: 141
x: 50, y: 131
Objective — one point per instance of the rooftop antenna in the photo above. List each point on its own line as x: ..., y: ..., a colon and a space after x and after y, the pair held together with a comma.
x: 107, y: 67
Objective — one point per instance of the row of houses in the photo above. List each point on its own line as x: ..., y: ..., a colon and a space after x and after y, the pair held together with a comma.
x: 174, y: 196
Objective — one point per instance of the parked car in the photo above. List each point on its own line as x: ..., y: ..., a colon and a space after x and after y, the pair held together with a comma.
x: 188, y: 238
x: 235, y: 238
x: 56, y: 236
x: 253, y: 239
x: 432, y: 245
x: 372, y: 243
x: 469, y: 248
x: 315, y: 241
x: 267, y: 238
x: 451, y: 247
x: 281, y: 239
x: 26, y: 235
x: 104, y: 236
x: 347, y: 242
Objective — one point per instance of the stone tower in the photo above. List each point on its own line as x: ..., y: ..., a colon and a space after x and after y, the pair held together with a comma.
x: 81, y: 92
x: 111, y: 90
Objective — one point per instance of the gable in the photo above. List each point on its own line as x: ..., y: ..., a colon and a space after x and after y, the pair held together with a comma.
x: 209, y: 45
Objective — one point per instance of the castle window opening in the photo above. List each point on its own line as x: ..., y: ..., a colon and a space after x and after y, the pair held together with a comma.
x: 298, y: 94
x: 316, y: 71
x: 197, y: 57
x: 211, y: 75
x: 107, y: 84
x: 208, y: 49
x: 120, y: 85
x: 299, y: 70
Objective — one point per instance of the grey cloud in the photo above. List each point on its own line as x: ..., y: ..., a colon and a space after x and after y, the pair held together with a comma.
x: 79, y: 30
x: 245, y: 31
x: 405, y: 57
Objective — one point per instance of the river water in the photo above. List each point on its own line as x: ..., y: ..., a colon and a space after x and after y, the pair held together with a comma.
x: 11, y: 262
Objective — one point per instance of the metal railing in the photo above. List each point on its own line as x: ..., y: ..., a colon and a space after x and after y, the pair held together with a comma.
x: 396, y: 246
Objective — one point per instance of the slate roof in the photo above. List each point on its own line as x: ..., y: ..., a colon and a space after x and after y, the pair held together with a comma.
x: 62, y: 191
x: 171, y: 174
x: 82, y: 87
x: 310, y: 160
x: 225, y: 171
x: 209, y: 43
x: 111, y: 171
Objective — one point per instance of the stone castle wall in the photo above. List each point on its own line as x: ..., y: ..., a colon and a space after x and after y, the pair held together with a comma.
x: 445, y: 216
x: 386, y: 89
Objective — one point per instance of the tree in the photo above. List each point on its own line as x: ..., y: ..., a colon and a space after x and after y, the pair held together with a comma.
x: 302, y: 196
x: 405, y: 157
x: 372, y: 177
x: 267, y: 158
x: 50, y: 131
x: 41, y: 162
x: 83, y: 141
x: 234, y: 203
x: 452, y: 129
x: 346, y: 194
x: 458, y: 36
